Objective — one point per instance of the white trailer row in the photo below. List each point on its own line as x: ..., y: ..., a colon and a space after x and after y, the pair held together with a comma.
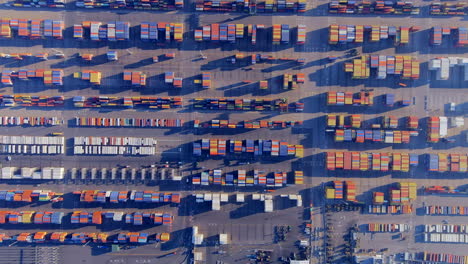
x: 445, y: 238
x: 29, y: 121
x: 443, y: 65
x: 115, y: 141
x: 215, y: 198
x: 124, y: 174
x: 380, y: 227
x: 32, y: 149
x: 114, y: 150
x: 31, y: 140
x: 54, y: 173
x: 462, y: 229
x: 46, y: 173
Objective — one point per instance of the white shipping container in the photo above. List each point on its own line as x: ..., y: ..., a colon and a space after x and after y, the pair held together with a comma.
x: 443, y: 126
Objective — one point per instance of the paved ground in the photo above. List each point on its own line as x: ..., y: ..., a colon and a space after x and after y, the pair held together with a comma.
x: 248, y: 228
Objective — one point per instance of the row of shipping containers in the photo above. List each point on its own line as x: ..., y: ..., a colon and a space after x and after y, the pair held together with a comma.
x: 32, y: 149
x: 32, y: 29
x: 161, y: 31
x: 136, y: 78
x: 446, y: 228
x: 447, y: 190
x: 205, y: 80
x: 25, y: 173
x: 37, y: 3
x: 459, y: 35
x: 93, y: 77
x: 448, y: 9
x: 382, y: 228
x: 291, y: 81
x: 406, y: 67
x: 31, y: 100
x: 390, y: 101
x: 161, y: 5
x: 127, y: 122
x: 49, y: 77
x: 114, y: 146
x: 134, y: 218
x: 446, y: 238
x: 382, y: 136
x: 437, y: 128
x: 124, y: 174
x: 264, y: 58
x: 114, y: 150
x: 365, y: 161
x: 176, y: 82
x: 128, y: 102
x: 99, y: 196
x: 281, y: 33
x: 243, y: 178
x: 112, y: 31
x: 219, y: 147
x: 246, y: 124
x: 340, y: 190
x: 350, y: 98
x: 374, y: 6
x: 445, y: 210
x: 403, y: 193
x: 355, y: 121
x: 31, y: 140
x: 252, y: 7
x: 360, y: 68
x: 85, y: 238
x: 30, y: 217
x: 343, y: 34
x: 389, y: 209
x: 115, y: 141
x: 102, y: 101
x: 29, y: 196
x: 429, y: 257
x: 443, y: 162
x: 443, y: 65
x: 43, y: 56
x: 30, y: 121
x: 228, y: 32
x: 247, y: 104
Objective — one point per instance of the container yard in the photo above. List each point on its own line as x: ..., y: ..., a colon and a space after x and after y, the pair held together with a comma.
x: 268, y: 131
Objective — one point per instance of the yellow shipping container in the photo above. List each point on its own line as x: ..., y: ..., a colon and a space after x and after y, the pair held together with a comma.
x: 378, y: 199
x: 330, y: 193
x: 27, y: 216
x: 299, y: 151
x: 95, y: 77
